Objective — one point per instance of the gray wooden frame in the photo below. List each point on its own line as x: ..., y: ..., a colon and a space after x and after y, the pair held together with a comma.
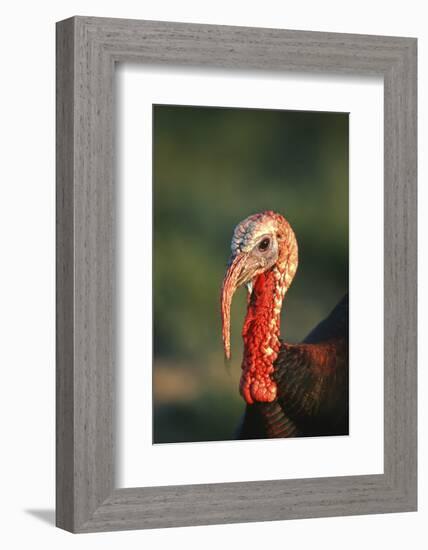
x: 87, y: 50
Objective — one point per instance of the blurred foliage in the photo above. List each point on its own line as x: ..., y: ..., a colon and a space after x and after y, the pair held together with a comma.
x: 212, y: 168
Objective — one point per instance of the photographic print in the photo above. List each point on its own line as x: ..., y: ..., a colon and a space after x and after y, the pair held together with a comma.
x: 206, y: 292
x: 250, y: 274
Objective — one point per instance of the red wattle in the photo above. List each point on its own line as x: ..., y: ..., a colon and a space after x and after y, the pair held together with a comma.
x: 261, y: 339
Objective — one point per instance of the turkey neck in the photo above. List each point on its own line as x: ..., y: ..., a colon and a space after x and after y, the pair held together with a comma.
x: 261, y: 329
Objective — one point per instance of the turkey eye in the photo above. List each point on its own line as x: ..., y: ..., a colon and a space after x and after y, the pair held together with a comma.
x: 264, y: 244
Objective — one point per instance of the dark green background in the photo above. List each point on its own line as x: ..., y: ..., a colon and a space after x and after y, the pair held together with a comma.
x: 212, y: 168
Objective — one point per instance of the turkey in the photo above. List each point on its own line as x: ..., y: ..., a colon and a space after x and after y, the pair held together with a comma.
x: 290, y: 390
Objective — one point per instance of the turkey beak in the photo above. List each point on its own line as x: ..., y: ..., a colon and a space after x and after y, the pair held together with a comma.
x: 231, y: 282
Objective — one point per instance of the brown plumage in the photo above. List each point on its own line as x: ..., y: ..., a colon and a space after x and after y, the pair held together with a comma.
x: 312, y: 379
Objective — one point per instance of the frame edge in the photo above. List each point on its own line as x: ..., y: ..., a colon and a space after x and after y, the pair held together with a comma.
x: 65, y: 108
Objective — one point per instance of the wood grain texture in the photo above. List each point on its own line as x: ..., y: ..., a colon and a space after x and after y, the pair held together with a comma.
x: 87, y: 50
x: 64, y: 278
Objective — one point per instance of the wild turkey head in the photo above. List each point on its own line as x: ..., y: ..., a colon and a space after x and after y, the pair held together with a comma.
x: 264, y: 257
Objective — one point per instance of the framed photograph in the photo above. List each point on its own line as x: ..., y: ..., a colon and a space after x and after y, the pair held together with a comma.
x: 236, y: 274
